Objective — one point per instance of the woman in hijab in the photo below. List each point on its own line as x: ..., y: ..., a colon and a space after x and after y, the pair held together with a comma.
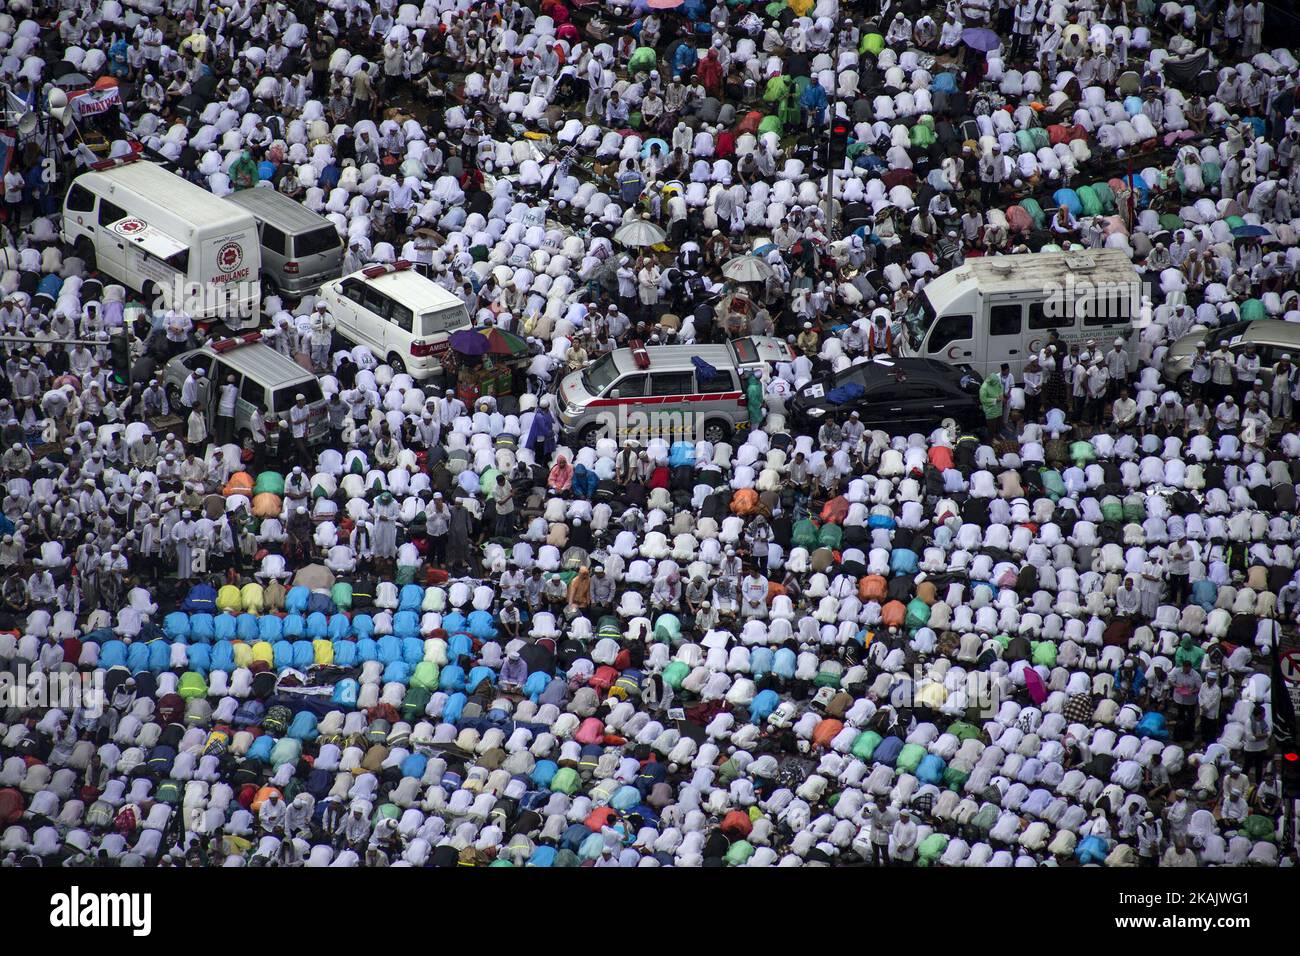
x: 754, y: 400
x: 991, y: 400
x: 579, y: 598
x: 561, y: 475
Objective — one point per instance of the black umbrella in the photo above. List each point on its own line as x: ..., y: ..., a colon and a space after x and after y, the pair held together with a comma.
x: 538, y: 657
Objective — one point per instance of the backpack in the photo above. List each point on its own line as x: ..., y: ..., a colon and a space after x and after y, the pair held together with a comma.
x: 277, y: 720
x: 169, y: 792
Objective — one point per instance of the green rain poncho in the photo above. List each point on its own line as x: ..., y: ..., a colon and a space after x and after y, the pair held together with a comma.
x: 754, y: 399
x: 991, y: 397
x: 1189, y: 652
x: 243, y: 171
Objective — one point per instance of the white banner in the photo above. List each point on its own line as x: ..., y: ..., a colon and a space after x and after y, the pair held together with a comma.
x: 95, y: 101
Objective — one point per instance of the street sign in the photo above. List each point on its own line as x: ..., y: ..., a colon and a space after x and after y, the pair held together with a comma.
x: 1290, y: 664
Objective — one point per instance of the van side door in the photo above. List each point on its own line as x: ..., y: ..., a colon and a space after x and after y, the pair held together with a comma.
x: 220, y: 372
x: 110, y: 246
x: 274, y: 251
x: 671, y: 384
x: 1005, y: 341
x: 398, y: 326
x: 1044, y: 317
x: 362, y: 325
x: 252, y: 395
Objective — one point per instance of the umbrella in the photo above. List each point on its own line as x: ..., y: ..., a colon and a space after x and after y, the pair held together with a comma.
x: 664, y: 4
x: 315, y: 577
x: 980, y: 38
x: 663, y: 147
x: 501, y: 342
x: 469, y: 342
x: 72, y: 81
x: 747, y: 269
x: 1249, y: 231
x: 487, y: 341
x: 638, y: 232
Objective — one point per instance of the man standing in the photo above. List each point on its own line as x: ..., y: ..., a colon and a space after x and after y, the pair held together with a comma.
x: 1187, y: 688
x: 905, y: 838
x: 992, y: 171
x: 14, y: 184
x: 298, y: 415
x: 1200, y: 370
x: 225, y: 431
x: 503, y: 497
x: 322, y: 332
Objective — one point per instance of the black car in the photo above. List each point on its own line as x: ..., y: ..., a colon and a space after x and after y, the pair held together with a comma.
x: 894, y: 395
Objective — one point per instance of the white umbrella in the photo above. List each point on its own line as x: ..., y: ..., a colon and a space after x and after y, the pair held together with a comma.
x: 638, y: 232
x: 747, y: 269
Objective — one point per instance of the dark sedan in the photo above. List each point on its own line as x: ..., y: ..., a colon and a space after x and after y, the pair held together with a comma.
x: 894, y: 395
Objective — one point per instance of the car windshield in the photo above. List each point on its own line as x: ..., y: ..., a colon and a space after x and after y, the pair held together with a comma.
x: 1224, y: 333
x: 918, y: 319
x: 600, y: 375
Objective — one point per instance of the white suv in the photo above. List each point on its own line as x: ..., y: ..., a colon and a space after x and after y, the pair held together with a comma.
x: 406, y: 318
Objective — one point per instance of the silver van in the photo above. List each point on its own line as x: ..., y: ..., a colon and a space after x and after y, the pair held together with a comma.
x: 300, y: 249
x: 267, y: 380
x: 661, y: 391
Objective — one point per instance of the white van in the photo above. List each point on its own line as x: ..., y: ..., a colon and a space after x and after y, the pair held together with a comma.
x: 168, y: 239
x: 687, y: 392
x: 996, y: 309
x: 405, y: 318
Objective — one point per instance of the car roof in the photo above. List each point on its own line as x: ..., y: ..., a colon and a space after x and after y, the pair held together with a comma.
x: 411, y: 289
x: 995, y: 275
x: 1272, y: 332
x: 177, y: 194
x: 262, y: 362
x: 279, y: 210
x: 676, y: 358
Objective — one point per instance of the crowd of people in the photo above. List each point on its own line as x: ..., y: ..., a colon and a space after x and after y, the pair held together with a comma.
x: 456, y: 635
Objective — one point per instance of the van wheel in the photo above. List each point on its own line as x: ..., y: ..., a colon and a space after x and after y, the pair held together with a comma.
x: 716, y: 431
x: 591, y: 434
x: 1186, y: 387
x: 85, y: 251
x: 149, y: 292
x: 244, y: 438
x: 173, y: 398
x: 395, y: 361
